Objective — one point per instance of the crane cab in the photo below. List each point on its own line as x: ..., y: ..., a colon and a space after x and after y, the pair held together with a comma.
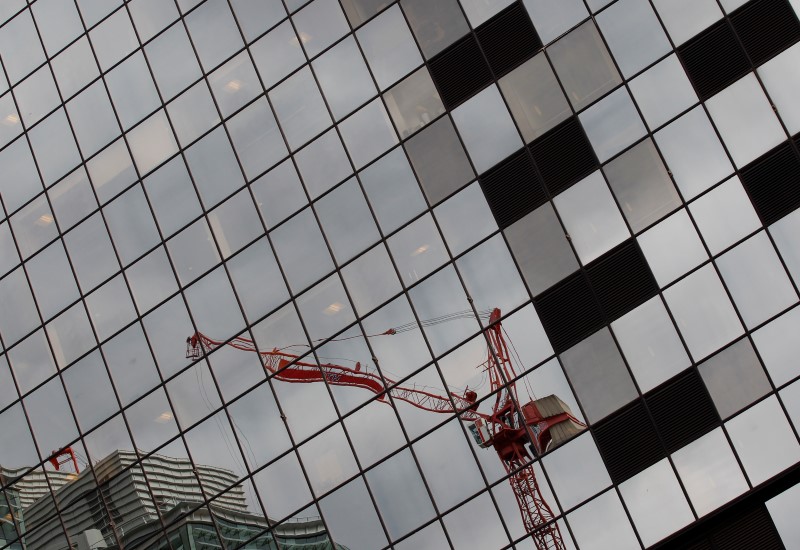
x: 481, y: 433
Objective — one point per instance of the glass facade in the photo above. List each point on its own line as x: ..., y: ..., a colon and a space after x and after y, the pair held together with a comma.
x: 410, y: 274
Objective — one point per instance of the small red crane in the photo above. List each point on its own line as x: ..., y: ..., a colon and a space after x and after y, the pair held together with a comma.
x: 64, y: 456
x: 511, y: 428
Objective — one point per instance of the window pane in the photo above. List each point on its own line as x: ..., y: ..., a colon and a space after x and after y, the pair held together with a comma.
x: 435, y: 24
x: 214, y: 32
x: 734, y: 378
x: 389, y: 47
x: 344, y: 77
x: 235, y: 84
x: 634, y: 34
x: 685, y: 18
x: 724, y: 215
x: 299, y: 107
x: 392, y: 190
x: 347, y: 221
x: 672, y: 247
x: 781, y: 77
x: 612, y: 124
x: 663, y: 91
x: 320, y: 24
x: 413, y: 103
x: 368, y: 133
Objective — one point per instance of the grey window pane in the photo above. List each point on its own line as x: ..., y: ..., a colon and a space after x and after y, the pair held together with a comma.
x: 21, y: 181
x: 703, y: 312
x: 235, y: 223
x: 33, y: 226
x: 113, y: 39
x: 131, y: 364
x: 74, y: 67
x: 781, y: 509
x: 756, y: 279
x: 90, y: 391
x: 389, y: 47
x: 131, y: 225
x: 612, y: 124
x: 320, y: 24
x: 656, y: 502
x: 234, y: 84
x: 300, y: 108
x: 8, y: 391
x: 214, y: 33
x: 249, y: 272
x: 59, y: 23
x: 541, y: 248
x: 478, y: 11
x: 786, y: 232
x: 347, y: 221
x: 325, y: 308
x: 54, y: 147
x: 151, y: 279
x: 466, y: 532
x: 132, y: 90
x: 10, y: 126
x: 709, y: 472
x: 20, y: 315
x: 371, y: 279
x: 414, y: 102
x: 173, y: 61
x: 9, y: 258
x: 693, y: 153
x: 71, y: 335
x: 725, y: 215
x: 23, y: 452
x: 435, y: 24
x: 255, y: 17
x: 344, y: 77
x: 490, y: 276
x: 192, y: 113
x: 93, y: 119
x: 32, y: 362
x: 193, y: 252
x: 51, y: 279
x: 685, y: 18
x: 110, y: 307
x: 663, y: 91
x: 734, y: 378
x: 584, y: 65
x: 417, y: 249
x: 50, y: 415
x: 214, y: 168
x: 20, y: 47
x: 151, y: 16
x: 651, y: 344
x: 730, y: 5
x: 778, y: 348
x: 599, y: 376
x: 277, y: 54
x: 359, y: 11
x: 302, y: 251
x: 487, y: 129
x: 576, y: 471
x: 641, y: 185
x: 152, y: 142
x: 368, y: 133
x: 94, y: 10
x: 392, y: 190
x: 534, y: 97
x: 279, y: 193
x: 172, y: 196
x: 602, y: 523
x: 36, y: 96
x: 439, y: 160
x: 552, y: 18
x: 111, y: 171
x: 91, y: 253
x: 333, y: 443
x: 672, y: 247
x: 214, y: 307
x: 465, y: 219
x: 257, y: 138
x: 745, y: 120
x: 591, y: 217
x: 764, y: 440
x: 781, y: 77
x: 634, y: 34
x: 323, y: 163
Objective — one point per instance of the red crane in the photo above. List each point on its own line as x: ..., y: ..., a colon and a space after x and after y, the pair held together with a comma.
x: 511, y: 429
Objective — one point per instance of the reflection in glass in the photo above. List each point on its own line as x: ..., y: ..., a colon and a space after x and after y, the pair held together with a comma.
x: 413, y: 102
x: 368, y: 133
x: 612, y: 124
x: 599, y: 375
x: 214, y: 33
x: 132, y: 90
x: 235, y: 223
x: 323, y: 163
x: 465, y: 219
x: 764, y: 441
x: 172, y: 61
x: 576, y: 471
x: 725, y: 215
x: 781, y: 78
x: 591, y: 217
x: 552, y: 18
x: 234, y: 84
x: 781, y: 509
x: 302, y: 250
x: 347, y: 221
x: 734, y: 378
x: 277, y: 54
x: 672, y: 247
x: 344, y: 77
x: 584, y: 65
x: 418, y: 249
x: 663, y: 91
x: 300, y: 108
x: 487, y: 129
x: 389, y: 47
x: 193, y: 113
x: 436, y: 25
x: 778, y: 348
x: 319, y: 24
x: 279, y: 193
x: 709, y: 471
x: 534, y: 97
x: 634, y: 34
x: 257, y: 280
x: 213, y: 166
x: 685, y: 18
x: 756, y: 279
x: 603, y: 525
x: 656, y: 503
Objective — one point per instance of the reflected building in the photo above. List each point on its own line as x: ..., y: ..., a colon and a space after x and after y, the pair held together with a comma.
x: 350, y: 200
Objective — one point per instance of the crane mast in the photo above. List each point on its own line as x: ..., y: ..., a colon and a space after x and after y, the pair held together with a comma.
x: 511, y: 429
